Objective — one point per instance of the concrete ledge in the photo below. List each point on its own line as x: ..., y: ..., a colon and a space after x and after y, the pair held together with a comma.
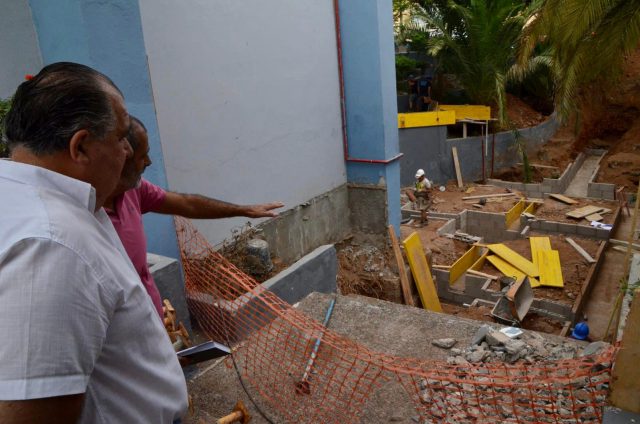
x: 587, y: 286
x: 167, y: 274
x: 315, y: 272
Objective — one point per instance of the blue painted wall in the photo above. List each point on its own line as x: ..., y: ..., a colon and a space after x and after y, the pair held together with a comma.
x: 370, y: 95
x: 107, y: 35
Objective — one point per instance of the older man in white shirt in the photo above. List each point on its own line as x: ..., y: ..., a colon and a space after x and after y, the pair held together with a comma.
x: 83, y: 342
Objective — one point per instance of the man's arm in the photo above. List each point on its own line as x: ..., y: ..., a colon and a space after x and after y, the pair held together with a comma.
x: 54, y: 410
x: 200, y: 207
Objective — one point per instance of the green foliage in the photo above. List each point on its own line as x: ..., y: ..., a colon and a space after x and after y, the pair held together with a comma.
x: 521, y: 146
x: 5, y: 105
x: 587, y: 40
x: 475, y: 40
x: 404, y: 67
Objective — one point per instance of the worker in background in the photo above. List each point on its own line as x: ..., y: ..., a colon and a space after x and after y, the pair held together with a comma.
x: 419, y: 196
x: 79, y: 345
x: 135, y: 196
x: 424, y: 93
x: 413, y: 93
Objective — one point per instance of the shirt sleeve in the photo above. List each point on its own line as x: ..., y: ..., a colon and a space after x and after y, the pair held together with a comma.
x: 54, y: 317
x: 151, y: 196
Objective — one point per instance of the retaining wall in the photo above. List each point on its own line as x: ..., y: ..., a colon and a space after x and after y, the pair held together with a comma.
x: 599, y: 190
x: 428, y: 148
x: 548, y: 185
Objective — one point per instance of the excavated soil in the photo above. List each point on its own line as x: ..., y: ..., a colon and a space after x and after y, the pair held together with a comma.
x: 554, y: 210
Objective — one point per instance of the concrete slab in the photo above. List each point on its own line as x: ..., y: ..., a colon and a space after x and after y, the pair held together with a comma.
x: 167, y: 275
x: 578, y: 186
x: 381, y: 326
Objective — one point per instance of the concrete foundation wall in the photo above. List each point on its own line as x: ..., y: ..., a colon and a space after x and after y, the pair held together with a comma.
x: 368, y: 209
x: 299, y: 230
x: 599, y: 190
x: 548, y: 185
x: 429, y: 149
x: 168, y: 277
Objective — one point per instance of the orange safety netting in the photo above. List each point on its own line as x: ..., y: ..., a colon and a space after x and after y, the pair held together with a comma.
x: 273, y: 344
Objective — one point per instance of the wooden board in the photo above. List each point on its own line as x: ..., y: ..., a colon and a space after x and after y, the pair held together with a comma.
x: 550, y: 268
x: 488, y: 196
x: 404, y: 278
x: 583, y: 211
x: 594, y: 217
x: 515, y: 259
x: 454, y: 150
x: 513, y: 214
x: 421, y: 273
x: 509, y: 270
x: 537, y: 244
x: 580, y: 250
x: 563, y: 199
x: 481, y: 274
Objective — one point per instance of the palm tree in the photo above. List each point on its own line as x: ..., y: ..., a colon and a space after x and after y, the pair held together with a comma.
x: 476, y: 40
x: 587, y: 38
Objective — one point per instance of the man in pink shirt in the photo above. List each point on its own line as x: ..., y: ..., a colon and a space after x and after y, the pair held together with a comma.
x: 135, y: 196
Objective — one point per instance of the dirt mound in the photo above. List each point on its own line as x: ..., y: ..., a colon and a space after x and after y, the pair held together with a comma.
x: 611, y: 120
x: 521, y: 114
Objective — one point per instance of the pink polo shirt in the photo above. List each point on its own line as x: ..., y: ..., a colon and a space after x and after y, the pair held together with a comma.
x: 127, y: 220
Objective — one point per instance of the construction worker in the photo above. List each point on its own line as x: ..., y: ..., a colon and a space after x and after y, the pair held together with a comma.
x: 422, y: 186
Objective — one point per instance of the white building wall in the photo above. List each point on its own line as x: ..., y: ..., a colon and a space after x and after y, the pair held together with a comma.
x: 19, y: 52
x: 247, y: 99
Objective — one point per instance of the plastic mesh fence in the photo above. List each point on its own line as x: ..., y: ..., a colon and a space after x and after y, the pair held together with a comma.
x: 273, y: 344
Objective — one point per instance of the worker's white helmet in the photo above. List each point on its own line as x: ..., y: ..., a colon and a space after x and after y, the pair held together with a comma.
x: 419, y: 173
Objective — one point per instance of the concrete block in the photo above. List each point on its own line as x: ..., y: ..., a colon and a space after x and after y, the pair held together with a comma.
x: 602, y: 234
x: 549, y: 226
x: 167, y: 274
x: 586, y: 231
x: 566, y: 228
x: 315, y: 272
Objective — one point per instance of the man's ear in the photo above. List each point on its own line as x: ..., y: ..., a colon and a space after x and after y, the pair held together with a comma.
x: 78, y: 146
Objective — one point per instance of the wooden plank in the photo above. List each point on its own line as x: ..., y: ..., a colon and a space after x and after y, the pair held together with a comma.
x: 537, y: 165
x: 421, y: 273
x: 404, y: 279
x: 454, y: 150
x: 537, y: 244
x: 509, y: 270
x: 563, y: 199
x: 594, y: 217
x: 441, y: 266
x: 488, y: 196
x: 426, y: 119
x: 583, y: 211
x: 481, y: 274
x: 463, y: 263
x: 580, y: 250
x: 515, y: 259
x: 624, y: 243
x: 625, y: 382
x: 550, y: 268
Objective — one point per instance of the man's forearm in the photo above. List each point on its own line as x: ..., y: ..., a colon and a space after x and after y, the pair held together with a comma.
x: 200, y: 207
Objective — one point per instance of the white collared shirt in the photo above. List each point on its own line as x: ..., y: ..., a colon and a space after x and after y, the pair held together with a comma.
x: 74, y: 316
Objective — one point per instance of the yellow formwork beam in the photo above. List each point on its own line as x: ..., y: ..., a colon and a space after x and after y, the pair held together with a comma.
x: 421, y: 273
x: 463, y: 263
x: 477, y: 265
x: 473, y: 112
x: 531, y: 208
x: 514, y: 213
x: 538, y: 244
x: 509, y: 270
x: 426, y: 119
x: 550, y: 268
x: 515, y: 259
